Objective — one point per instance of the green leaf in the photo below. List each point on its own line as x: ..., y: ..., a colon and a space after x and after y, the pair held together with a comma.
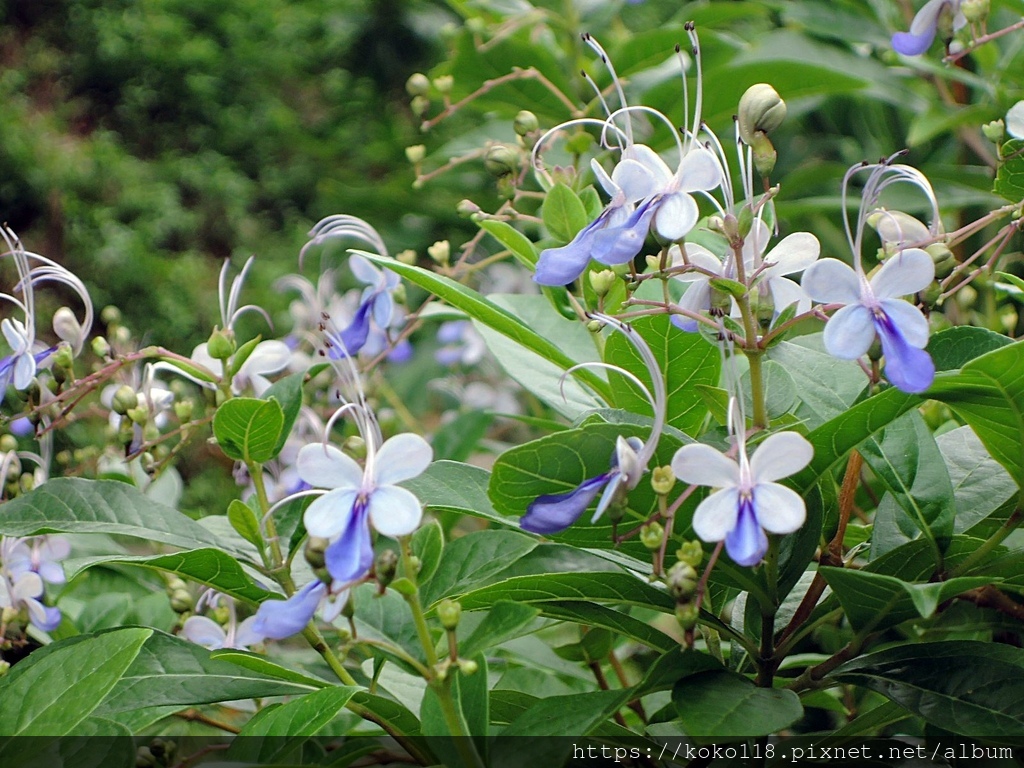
x: 720, y: 705
x: 504, y: 621
x: 971, y: 688
x: 266, y: 668
x: 248, y: 429
x: 980, y: 484
x: 955, y: 347
x: 826, y: 386
x: 288, y: 393
x: 517, y: 243
x: 603, y: 587
x: 686, y: 360
x: 1010, y: 176
x: 428, y: 545
x: 282, y: 730
x: 874, y: 601
x: 59, y: 690
x: 457, y: 439
x: 448, y: 486
x: 243, y: 520
x: 488, y: 313
x: 622, y: 624
x: 907, y: 461
x: 475, y: 559
x: 73, y: 505
x: 211, y: 567
x: 563, y: 213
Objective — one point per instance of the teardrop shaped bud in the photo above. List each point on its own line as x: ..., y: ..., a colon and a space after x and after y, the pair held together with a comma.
x: 761, y: 109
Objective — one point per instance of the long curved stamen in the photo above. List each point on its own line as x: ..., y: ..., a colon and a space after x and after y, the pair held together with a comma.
x: 596, y: 47
x: 17, y: 252
x: 343, y: 225
x: 542, y: 175
x: 698, y: 100
x: 608, y: 367
x: 655, y: 113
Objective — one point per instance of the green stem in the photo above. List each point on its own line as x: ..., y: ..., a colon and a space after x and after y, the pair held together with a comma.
x: 415, y: 607
x: 993, y: 541
x: 456, y: 727
x: 760, y: 416
x: 276, y: 556
x: 767, y: 663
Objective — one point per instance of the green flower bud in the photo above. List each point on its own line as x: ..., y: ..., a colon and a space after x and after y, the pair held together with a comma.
x: 122, y: 335
x: 415, y: 153
x: 579, y: 143
x: 162, y: 750
x: 691, y: 553
x: 761, y: 109
x: 444, y: 84
x: 125, y: 400
x: 945, y: 261
x: 449, y: 612
x: 467, y: 208
x: 315, y: 551
x: 408, y: 256
x: 5, y: 667
x: 621, y: 270
x: 144, y: 758
x: 501, y: 160
x: 419, y: 105
x: 417, y: 85
x: 138, y: 415
x: 764, y: 154
x: 222, y: 344
x: 595, y: 326
x: 662, y: 480
x: 183, y: 409
x: 525, y: 123
x: 468, y: 666
x: 386, y: 566
x: 355, y: 447
x: 975, y: 11
x: 994, y: 131
x: 1007, y: 318
x: 681, y: 581
x: 8, y: 443
x: 652, y: 535
x: 181, y: 601
x: 440, y: 252
x: 602, y: 281
x: 100, y: 346
x: 26, y: 482
x: 687, y: 615
x: 745, y: 221
x: 415, y: 564
x: 110, y: 314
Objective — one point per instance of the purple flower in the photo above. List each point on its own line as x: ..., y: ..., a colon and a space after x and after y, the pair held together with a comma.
x: 376, y: 303
x: 278, y: 619
x: 925, y: 26
x: 873, y: 308
x: 749, y: 502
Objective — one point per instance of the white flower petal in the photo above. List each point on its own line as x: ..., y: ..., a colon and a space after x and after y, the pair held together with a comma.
x: 328, y: 515
x: 849, y: 332
x: 794, y: 253
x: 700, y: 464
x: 268, y: 357
x: 24, y: 370
x: 779, y: 509
x: 203, y: 631
x: 831, y: 281
x: 15, y: 335
x: 245, y: 635
x: 698, y: 256
x: 363, y: 270
x: 604, y: 179
x: 912, y: 324
x: 699, y: 170
x: 907, y: 272
x: 401, y: 457
x: 676, y: 216
x: 202, y: 356
x: 898, y: 227
x: 634, y: 179
x: 1015, y: 120
x: 716, y: 515
x: 394, y: 511
x: 780, y: 455
x: 324, y: 466
x: 651, y: 160
x: 27, y: 585
x: 785, y: 292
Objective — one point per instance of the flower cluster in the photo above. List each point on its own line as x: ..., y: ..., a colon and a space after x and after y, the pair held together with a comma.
x: 25, y: 564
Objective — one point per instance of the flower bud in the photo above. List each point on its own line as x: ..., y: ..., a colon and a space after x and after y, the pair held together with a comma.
x: 444, y: 84
x: 26, y: 482
x: 415, y: 153
x: 681, y: 581
x: 124, y: 400
x: 975, y: 11
x: 355, y: 447
x: 691, y: 553
x: 662, y: 480
x: 144, y: 758
x: 764, y: 154
x: 621, y: 269
x: 315, y: 552
x: 467, y: 208
x: 122, y: 335
x: 64, y: 358
x: 595, y: 326
x: 100, y: 346
x: 602, y: 281
x: 110, y: 314
x: 501, y: 160
x: 994, y: 131
x: 386, y: 566
x: 5, y: 667
x: 138, y: 415
x: 468, y: 666
x: 163, y: 750
x: 183, y: 409
x: 440, y: 252
x: 8, y: 443
x: 651, y: 535
x: 221, y: 345
x: 419, y: 105
x: 525, y: 123
x: 181, y: 601
x: 687, y: 615
x: 943, y: 258
x: 417, y: 85
x: 408, y: 256
x: 449, y: 612
x: 761, y: 109
x: 67, y: 327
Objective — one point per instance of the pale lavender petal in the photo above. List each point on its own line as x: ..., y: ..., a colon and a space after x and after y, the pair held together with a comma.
x: 27, y: 585
x: 785, y: 293
x: 394, y: 511
x: 832, y: 281
x: 676, y: 216
x: 330, y: 514
x: 699, y: 171
x: 383, y: 309
x: 402, y: 457
x: 849, y: 332
x: 553, y: 513
x: 909, y: 319
x: 907, y: 272
x: 746, y: 542
x: 700, y: 464
x: 779, y: 509
x: 278, y: 619
x: 697, y: 298
x: 716, y: 515
x: 696, y: 256
x: 794, y: 253
x: 780, y: 455
x: 15, y: 335
x: 608, y: 495
x: 51, y: 572
x: 324, y: 466
x: 634, y: 179
x: 203, y: 631
x: 246, y: 634
x: 1015, y: 120
x: 24, y: 371
x: 649, y: 159
x: 364, y: 271
x: 44, y: 617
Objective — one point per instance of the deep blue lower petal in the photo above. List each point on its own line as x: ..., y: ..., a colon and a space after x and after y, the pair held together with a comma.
x: 350, y: 556
x: 555, y: 512
x: 278, y: 619
x: 561, y: 266
x: 618, y: 245
x: 353, y: 338
x: 908, y: 368
x: 747, y: 542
